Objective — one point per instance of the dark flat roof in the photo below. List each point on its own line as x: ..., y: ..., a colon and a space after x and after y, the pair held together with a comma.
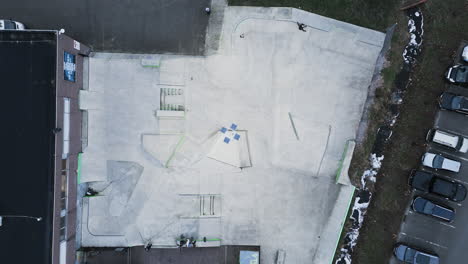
x: 137, y: 255
x: 27, y: 78
x: 144, y: 26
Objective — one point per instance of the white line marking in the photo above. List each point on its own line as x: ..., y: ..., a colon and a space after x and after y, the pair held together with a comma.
x: 426, y: 241
x: 454, y: 132
x: 445, y: 224
x: 430, y: 219
x: 450, y: 155
x: 437, y: 172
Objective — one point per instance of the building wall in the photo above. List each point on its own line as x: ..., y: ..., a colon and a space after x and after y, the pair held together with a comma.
x: 67, y: 89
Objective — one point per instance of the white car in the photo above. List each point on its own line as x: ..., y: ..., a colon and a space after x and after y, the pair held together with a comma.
x: 7, y: 24
x: 437, y: 161
x: 465, y: 54
x: 447, y: 139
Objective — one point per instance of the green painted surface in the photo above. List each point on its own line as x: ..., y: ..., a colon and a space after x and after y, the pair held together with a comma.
x: 79, y: 168
x: 343, y: 222
x: 340, y: 166
x: 181, y: 142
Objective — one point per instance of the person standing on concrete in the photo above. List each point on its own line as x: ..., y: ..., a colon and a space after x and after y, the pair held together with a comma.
x: 207, y: 10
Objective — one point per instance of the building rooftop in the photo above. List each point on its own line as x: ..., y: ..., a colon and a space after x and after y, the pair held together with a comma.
x: 27, y: 74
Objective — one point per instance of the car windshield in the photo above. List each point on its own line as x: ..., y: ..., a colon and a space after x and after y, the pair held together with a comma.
x: 438, y: 161
x: 457, y: 102
x: 428, y: 207
x: 454, y: 190
x: 9, y: 24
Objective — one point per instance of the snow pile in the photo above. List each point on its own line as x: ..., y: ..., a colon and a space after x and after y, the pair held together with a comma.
x: 369, y: 175
x: 376, y: 162
x: 415, y: 28
x: 358, y: 212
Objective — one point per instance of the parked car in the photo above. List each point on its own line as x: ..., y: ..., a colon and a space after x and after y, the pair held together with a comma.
x: 465, y: 53
x: 447, y: 139
x: 411, y: 255
x: 457, y: 74
x: 453, y: 102
x: 427, y: 207
x: 7, y: 24
x: 437, y: 162
x: 430, y: 183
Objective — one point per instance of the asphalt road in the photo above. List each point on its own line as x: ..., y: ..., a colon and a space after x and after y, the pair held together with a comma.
x: 134, y: 26
x: 448, y: 240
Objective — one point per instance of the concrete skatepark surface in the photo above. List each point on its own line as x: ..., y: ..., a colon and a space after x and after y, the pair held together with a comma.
x: 153, y: 174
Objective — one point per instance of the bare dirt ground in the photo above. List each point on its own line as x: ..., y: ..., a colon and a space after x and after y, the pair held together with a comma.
x: 443, y: 30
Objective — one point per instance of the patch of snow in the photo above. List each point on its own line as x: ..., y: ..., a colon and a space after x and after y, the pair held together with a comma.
x: 376, y: 162
x: 361, y: 208
x: 367, y: 174
x: 411, y: 26
x: 416, y: 30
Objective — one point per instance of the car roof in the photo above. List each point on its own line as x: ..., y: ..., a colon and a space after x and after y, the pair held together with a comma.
x: 442, y: 187
x: 450, y: 164
x: 445, y: 138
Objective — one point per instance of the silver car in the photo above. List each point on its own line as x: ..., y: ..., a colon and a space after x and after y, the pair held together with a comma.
x: 411, y: 255
x: 427, y: 207
x: 447, y: 139
x: 437, y: 161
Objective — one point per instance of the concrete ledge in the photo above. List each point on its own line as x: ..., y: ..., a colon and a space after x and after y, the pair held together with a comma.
x: 328, y: 243
x: 342, y: 176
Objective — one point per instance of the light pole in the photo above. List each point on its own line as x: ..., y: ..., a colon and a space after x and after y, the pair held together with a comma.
x: 18, y: 216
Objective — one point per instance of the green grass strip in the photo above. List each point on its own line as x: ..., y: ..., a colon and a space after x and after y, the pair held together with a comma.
x: 343, y: 223
x: 340, y: 168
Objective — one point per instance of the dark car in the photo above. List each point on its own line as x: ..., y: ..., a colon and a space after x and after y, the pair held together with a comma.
x: 453, y: 102
x: 427, y: 207
x: 457, y: 74
x: 430, y: 183
x: 408, y: 254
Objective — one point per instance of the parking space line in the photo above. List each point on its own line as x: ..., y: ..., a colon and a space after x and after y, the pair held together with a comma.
x: 453, y: 132
x: 425, y: 241
x: 445, y: 224
x: 428, y: 218
x: 450, y: 155
x: 423, y: 168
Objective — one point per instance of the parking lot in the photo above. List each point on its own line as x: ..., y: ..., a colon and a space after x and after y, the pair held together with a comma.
x: 447, y: 240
